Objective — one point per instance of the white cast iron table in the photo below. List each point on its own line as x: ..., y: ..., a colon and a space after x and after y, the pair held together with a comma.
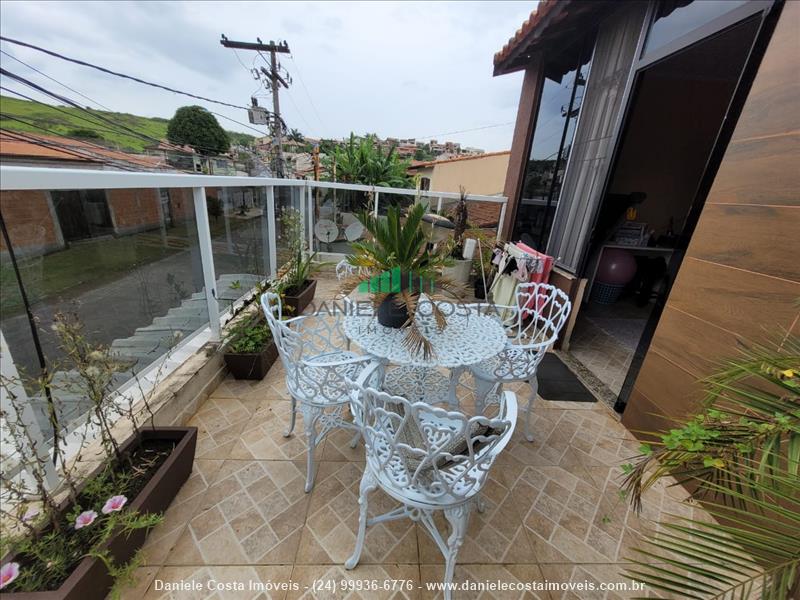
x: 468, y: 339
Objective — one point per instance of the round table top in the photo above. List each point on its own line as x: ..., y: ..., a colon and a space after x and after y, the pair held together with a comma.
x: 467, y: 340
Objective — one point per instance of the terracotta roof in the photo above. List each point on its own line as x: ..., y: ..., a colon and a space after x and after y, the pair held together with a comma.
x: 51, y: 147
x: 431, y: 163
x: 550, y: 19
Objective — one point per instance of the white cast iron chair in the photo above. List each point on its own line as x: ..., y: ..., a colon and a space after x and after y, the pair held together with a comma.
x: 315, y: 354
x: 426, y: 458
x: 533, y: 326
x: 345, y: 270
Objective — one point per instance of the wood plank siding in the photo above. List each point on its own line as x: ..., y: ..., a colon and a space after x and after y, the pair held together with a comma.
x: 740, y: 279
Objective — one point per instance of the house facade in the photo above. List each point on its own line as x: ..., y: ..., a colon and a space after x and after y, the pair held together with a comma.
x: 655, y: 158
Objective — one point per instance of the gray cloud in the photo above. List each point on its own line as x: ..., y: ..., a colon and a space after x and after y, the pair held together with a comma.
x: 396, y: 68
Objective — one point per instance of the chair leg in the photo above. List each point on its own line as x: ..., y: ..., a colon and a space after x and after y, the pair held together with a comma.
x: 354, y: 441
x: 482, y: 390
x: 310, y: 417
x: 534, y: 383
x: 292, y: 419
x: 368, y: 484
x: 458, y: 517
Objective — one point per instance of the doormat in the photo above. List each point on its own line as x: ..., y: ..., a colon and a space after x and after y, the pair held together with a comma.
x: 557, y: 382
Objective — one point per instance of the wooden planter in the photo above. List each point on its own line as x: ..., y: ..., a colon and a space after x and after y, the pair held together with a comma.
x: 252, y: 366
x: 299, y: 299
x: 90, y: 580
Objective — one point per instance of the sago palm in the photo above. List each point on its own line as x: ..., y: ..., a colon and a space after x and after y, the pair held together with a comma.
x: 741, y: 456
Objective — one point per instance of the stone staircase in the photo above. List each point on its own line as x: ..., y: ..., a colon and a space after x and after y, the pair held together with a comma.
x: 146, y: 345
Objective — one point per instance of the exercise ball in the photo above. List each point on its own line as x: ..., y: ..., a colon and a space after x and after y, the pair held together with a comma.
x: 616, y: 267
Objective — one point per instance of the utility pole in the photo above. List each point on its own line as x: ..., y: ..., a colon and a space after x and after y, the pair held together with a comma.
x: 275, y: 79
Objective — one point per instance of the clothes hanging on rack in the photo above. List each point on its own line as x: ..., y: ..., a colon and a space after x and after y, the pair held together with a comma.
x: 518, y: 263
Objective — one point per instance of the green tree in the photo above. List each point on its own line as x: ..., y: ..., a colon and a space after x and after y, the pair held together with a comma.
x: 362, y: 161
x: 296, y: 136
x: 196, y: 127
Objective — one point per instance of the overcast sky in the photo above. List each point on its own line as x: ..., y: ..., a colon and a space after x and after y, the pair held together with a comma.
x: 401, y: 69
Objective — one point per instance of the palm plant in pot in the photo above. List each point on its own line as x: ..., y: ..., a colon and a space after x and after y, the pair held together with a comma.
x: 401, y: 264
x: 460, y: 269
x: 249, y: 350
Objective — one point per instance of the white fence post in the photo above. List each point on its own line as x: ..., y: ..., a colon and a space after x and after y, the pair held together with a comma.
x: 310, y: 222
x: 439, y: 206
x: 375, y: 197
x: 207, y: 259
x: 272, y: 239
x: 26, y: 417
x: 502, y: 218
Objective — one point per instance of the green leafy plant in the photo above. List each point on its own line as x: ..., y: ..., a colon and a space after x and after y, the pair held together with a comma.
x: 302, y: 264
x: 741, y: 456
x: 250, y: 335
x: 361, y: 160
x: 196, y: 127
x: 459, y: 217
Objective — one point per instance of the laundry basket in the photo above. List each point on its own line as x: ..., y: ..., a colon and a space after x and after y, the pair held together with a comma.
x: 606, y: 293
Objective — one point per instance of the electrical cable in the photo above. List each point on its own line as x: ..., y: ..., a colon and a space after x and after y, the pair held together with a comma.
x: 117, y: 74
x: 56, y: 81
x: 305, y: 89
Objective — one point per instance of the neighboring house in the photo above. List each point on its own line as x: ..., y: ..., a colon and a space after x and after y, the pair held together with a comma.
x: 661, y: 138
x: 40, y: 222
x: 482, y: 174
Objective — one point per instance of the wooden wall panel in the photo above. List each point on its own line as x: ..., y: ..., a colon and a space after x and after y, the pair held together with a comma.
x: 740, y: 280
x: 760, y: 250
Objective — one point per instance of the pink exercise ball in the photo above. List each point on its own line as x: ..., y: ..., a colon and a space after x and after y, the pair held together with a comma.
x: 616, y: 267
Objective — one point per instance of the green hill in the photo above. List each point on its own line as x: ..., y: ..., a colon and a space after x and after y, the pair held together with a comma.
x: 72, y: 122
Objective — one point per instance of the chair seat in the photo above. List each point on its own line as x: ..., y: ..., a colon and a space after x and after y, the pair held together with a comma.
x: 316, y: 386
x: 510, y: 365
x: 417, y: 384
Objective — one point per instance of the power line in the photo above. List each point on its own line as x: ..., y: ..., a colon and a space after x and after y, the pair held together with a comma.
x: 56, y: 81
x: 117, y: 74
x: 74, y: 104
x: 305, y: 89
x: 425, y: 137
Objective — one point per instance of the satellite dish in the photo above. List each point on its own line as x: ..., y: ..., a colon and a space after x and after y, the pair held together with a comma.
x: 354, y: 231
x: 326, y: 231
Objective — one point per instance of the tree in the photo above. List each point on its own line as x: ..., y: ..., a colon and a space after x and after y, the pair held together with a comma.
x: 196, y: 127
x: 362, y: 161
x: 295, y: 135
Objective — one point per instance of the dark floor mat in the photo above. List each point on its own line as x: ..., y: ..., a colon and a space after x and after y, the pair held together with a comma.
x: 557, y: 382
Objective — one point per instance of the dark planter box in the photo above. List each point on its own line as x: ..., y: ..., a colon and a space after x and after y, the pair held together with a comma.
x: 299, y: 299
x: 90, y: 580
x: 251, y: 366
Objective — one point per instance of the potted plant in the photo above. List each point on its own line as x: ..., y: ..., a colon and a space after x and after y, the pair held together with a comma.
x: 402, y: 265
x: 296, y: 284
x: 73, y: 542
x: 249, y: 350
x: 461, y: 267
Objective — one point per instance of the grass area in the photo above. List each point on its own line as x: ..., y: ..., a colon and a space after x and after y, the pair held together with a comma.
x: 82, y: 265
x: 71, y: 123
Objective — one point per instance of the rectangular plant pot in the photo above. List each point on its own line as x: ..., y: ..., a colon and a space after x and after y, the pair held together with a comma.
x: 90, y: 580
x: 251, y: 366
x: 299, y: 300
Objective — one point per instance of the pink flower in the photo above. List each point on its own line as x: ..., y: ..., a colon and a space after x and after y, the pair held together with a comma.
x: 30, y: 514
x: 87, y: 517
x: 113, y: 504
x: 8, y: 573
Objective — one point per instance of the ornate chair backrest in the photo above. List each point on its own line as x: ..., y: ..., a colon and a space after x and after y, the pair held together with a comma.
x: 344, y: 270
x: 310, y: 347
x: 542, y: 311
x: 425, y: 453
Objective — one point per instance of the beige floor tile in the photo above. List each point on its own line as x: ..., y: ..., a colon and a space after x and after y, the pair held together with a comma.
x: 219, y: 424
x: 262, y: 437
x: 221, y: 583
x: 163, y: 538
x: 332, y: 523
x: 370, y: 582
x: 137, y: 587
x: 483, y: 581
x: 253, y: 513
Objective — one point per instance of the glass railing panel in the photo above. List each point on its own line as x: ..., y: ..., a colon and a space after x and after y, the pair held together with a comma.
x: 125, y: 263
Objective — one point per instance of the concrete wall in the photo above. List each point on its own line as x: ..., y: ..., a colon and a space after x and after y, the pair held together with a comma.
x: 483, y: 175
